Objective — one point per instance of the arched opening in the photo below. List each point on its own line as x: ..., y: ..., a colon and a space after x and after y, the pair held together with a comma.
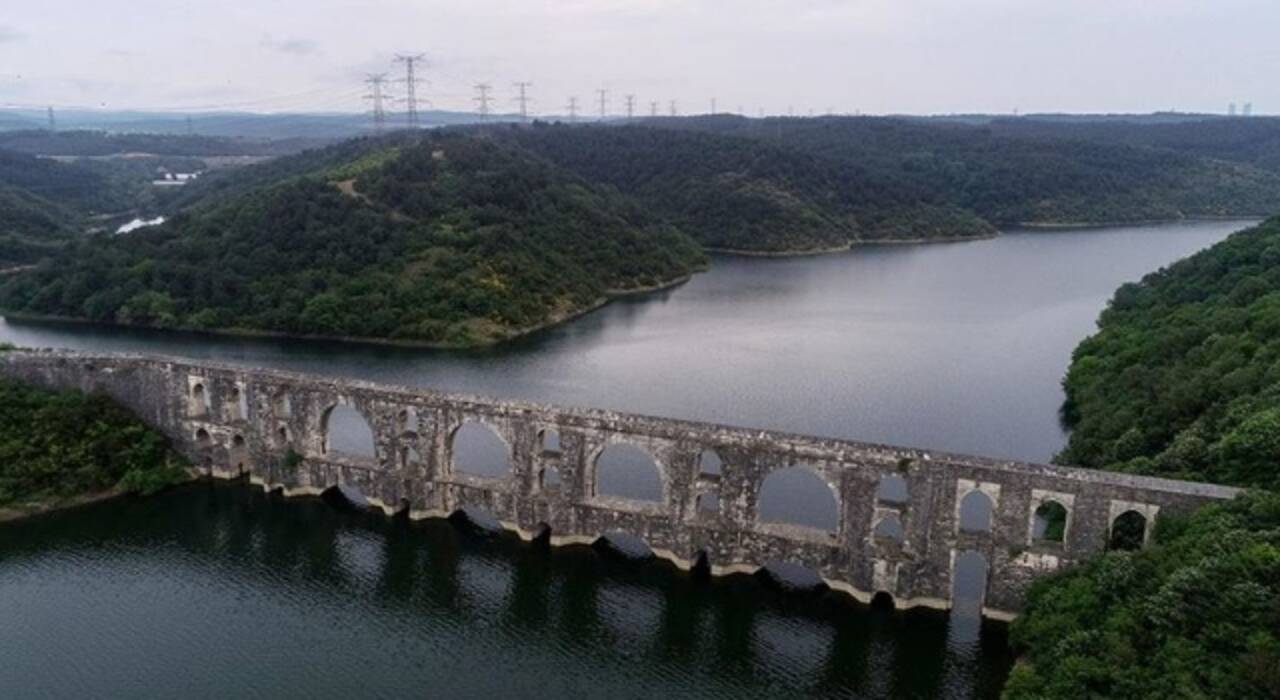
x: 199, y: 399
x: 709, y: 463
x: 890, y: 528
x: 542, y: 535
x: 708, y: 504
x: 701, y: 568
x: 345, y: 497
x: 549, y: 479
x: 282, y: 435
x: 1128, y: 531
x: 628, y: 472
x: 409, y: 456
x: 283, y: 406
x: 797, y: 496
x: 478, y: 519
x: 975, y: 512
x: 792, y: 576
x: 892, y: 489
x: 239, y: 452
x: 409, y: 420
x: 550, y: 441
x: 237, y: 404
x: 478, y: 451
x: 883, y: 600
x: 202, y: 438
x: 625, y: 544
x: 347, y: 432
x: 1050, y: 523
x: 969, y: 582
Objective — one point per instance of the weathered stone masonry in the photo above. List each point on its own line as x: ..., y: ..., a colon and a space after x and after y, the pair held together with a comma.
x: 235, y: 421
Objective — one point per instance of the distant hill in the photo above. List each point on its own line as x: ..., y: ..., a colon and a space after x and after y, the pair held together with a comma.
x: 433, y: 237
x: 735, y: 194
x: 1011, y: 180
x: 104, y: 143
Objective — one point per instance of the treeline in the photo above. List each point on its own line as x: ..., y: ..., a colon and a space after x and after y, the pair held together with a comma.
x: 444, y: 239
x: 103, y: 143
x: 746, y: 195
x: 1182, y: 378
x: 1011, y: 180
x: 59, y: 445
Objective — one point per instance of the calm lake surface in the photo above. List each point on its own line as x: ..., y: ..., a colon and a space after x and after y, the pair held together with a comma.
x: 221, y: 591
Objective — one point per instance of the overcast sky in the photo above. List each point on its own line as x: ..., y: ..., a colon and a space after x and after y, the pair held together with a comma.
x: 873, y: 56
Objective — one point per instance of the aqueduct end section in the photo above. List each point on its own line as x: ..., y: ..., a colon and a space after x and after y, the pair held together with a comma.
x: 273, y: 428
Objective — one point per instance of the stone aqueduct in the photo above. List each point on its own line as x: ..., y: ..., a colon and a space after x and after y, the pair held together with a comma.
x: 272, y: 427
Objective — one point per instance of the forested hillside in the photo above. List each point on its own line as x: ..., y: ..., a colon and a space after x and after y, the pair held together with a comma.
x: 737, y: 194
x: 439, y: 238
x: 1182, y: 378
x: 1009, y: 180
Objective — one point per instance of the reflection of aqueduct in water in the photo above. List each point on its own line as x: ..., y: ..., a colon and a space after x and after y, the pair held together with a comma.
x: 897, y: 520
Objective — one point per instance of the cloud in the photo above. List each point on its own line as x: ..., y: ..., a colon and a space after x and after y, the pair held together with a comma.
x: 297, y: 47
x: 8, y: 34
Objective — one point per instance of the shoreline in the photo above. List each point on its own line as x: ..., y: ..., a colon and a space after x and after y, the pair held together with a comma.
x: 15, y: 513
x: 514, y: 334
x: 1066, y: 225
x: 861, y: 243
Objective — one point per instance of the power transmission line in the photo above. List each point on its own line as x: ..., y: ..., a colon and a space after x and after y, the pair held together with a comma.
x: 672, y: 106
x: 411, y: 86
x: 604, y: 102
x: 713, y: 106
x: 375, y: 81
x: 653, y: 109
x: 52, y: 123
x: 523, y: 100
x: 573, y: 109
x: 482, y: 99
x: 631, y: 106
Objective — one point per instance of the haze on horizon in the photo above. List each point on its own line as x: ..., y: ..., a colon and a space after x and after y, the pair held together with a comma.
x: 870, y: 56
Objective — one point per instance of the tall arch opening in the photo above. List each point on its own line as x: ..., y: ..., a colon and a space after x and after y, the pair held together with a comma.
x: 975, y: 512
x: 969, y: 572
x: 892, y: 489
x: 550, y: 442
x: 477, y: 450
x: 198, y: 401
x: 709, y: 463
x: 347, y: 432
x: 237, y: 404
x: 798, y: 496
x: 1049, y: 524
x: 890, y: 529
x: 627, y: 471
x: 1128, y: 531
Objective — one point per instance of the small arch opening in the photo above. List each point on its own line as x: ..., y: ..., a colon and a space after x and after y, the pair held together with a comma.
x: 202, y: 437
x: 709, y: 463
x: 792, y: 576
x: 283, y: 406
x: 883, y: 600
x: 975, y: 512
x: 282, y: 435
x: 701, y: 568
x: 478, y: 451
x: 346, y: 431
x: 199, y: 403
x: 1050, y: 523
x: 627, y: 471
x: 477, y: 518
x: 237, y: 441
x: 409, y: 456
x: 238, y: 404
x: 798, y: 496
x: 624, y: 544
x: 550, y: 441
x: 345, y: 497
x: 408, y: 419
x: 890, y: 529
x: 708, y: 504
x: 542, y: 535
x: 549, y: 479
x: 892, y: 489
x: 1128, y: 531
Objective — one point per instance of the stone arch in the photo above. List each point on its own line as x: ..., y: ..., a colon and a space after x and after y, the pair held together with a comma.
x: 549, y: 441
x: 409, y: 456
x: 892, y: 489
x: 1128, y: 531
x: 346, y: 431
x: 408, y: 420
x: 476, y: 449
x: 202, y: 437
x: 890, y: 528
x: 975, y: 512
x: 798, y: 495
x: 282, y: 435
x: 883, y: 600
x: 198, y: 404
x: 239, y: 452
x: 626, y: 544
x: 1049, y: 522
x: 549, y: 479
x: 237, y: 404
x: 629, y: 471
x: 709, y: 463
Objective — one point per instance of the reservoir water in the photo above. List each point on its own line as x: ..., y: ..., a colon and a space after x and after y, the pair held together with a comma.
x: 218, y: 591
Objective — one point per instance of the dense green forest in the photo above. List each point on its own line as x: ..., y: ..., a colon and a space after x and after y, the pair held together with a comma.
x: 737, y: 194
x: 1182, y: 378
x: 59, y: 445
x: 1195, y: 616
x: 441, y: 238
x: 1011, y: 180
